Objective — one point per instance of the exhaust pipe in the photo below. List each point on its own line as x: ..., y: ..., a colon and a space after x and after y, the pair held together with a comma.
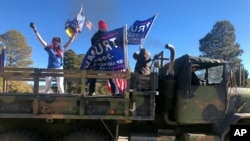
x: 167, y: 89
x: 170, y: 71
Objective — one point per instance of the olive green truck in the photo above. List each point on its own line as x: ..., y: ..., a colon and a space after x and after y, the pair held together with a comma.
x: 162, y: 106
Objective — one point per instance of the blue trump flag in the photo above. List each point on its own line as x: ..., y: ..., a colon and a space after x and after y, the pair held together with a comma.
x: 138, y: 31
x: 107, y: 54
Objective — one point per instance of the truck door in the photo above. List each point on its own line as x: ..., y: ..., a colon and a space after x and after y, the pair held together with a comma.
x: 204, y: 103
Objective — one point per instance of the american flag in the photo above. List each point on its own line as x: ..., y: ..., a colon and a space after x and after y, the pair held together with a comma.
x: 89, y: 25
x: 121, y: 84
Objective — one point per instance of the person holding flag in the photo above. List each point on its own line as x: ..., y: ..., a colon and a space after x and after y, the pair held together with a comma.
x: 55, y: 60
x: 102, y: 29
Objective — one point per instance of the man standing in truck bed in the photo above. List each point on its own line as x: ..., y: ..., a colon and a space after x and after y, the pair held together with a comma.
x: 103, y: 28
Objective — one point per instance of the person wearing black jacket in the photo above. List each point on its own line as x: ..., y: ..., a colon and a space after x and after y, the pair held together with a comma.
x: 94, y: 40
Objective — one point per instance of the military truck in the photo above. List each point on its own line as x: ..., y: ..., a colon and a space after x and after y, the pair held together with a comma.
x: 160, y: 106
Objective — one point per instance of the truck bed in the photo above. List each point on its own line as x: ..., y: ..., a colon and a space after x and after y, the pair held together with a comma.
x: 135, y: 105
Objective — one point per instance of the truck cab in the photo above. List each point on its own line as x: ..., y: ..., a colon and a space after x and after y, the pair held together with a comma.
x: 196, y: 102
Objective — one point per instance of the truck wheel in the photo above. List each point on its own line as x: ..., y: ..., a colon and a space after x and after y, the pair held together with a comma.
x: 19, y: 135
x: 85, y: 135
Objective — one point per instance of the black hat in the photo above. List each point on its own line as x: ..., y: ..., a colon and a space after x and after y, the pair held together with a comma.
x: 57, y: 39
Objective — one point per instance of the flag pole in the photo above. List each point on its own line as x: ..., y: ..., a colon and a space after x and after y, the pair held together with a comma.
x: 148, y: 31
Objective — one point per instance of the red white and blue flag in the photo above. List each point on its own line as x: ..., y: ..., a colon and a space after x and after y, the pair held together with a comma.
x: 139, y: 30
x: 89, y: 25
x: 121, y: 84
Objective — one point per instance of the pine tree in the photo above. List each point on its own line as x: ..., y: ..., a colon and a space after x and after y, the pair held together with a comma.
x: 221, y: 43
x: 72, y: 60
x: 18, y: 53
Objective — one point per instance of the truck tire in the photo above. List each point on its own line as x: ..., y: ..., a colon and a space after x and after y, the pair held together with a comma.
x: 19, y: 135
x: 85, y: 135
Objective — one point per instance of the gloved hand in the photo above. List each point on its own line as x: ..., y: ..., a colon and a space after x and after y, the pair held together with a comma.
x: 32, y: 25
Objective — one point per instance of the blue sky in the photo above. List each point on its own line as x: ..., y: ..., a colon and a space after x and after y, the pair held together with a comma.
x: 179, y: 22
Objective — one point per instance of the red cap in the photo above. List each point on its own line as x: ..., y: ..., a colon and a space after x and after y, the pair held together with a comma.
x: 102, y: 26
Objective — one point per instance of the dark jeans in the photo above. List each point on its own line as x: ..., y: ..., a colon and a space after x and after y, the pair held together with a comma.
x: 113, y: 85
